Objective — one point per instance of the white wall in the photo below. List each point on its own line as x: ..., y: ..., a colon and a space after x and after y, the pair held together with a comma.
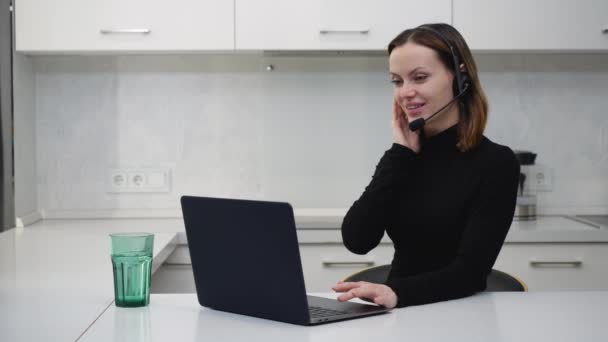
x: 309, y: 132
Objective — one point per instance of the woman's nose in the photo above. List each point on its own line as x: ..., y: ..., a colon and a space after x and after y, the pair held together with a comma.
x: 407, y: 91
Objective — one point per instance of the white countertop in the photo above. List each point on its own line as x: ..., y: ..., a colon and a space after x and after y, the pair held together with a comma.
x: 56, y: 275
x: 326, y: 228
x: 54, y: 282
x: 544, y: 229
x: 498, y: 316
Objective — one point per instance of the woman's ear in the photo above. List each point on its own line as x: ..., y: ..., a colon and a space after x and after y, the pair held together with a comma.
x: 462, y: 68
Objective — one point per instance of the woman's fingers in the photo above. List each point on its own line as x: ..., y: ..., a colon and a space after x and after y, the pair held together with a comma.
x: 357, y: 290
x: 377, y: 293
x: 346, y: 296
x: 370, y: 292
x: 346, y: 286
x: 395, y: 110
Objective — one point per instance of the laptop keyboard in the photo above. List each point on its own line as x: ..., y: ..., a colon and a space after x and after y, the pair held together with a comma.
x: 319, y: 312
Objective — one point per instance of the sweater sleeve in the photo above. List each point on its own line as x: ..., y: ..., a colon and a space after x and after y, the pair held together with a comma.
x: 366, y: 220
x: 486, y: 228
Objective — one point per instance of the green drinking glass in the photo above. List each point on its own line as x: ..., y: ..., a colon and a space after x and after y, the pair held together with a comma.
x: 132, y: 265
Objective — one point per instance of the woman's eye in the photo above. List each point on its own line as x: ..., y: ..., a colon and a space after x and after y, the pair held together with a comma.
x: 396, y: 82
x: 420, y: 78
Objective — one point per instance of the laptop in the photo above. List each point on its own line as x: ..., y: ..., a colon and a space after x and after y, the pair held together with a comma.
x: 246, y: 260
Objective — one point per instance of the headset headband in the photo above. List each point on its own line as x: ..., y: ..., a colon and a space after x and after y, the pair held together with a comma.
x: 459, y: 78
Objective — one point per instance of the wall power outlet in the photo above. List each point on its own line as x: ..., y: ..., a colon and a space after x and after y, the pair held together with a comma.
x: 543, y: 177
x: 144, y: 180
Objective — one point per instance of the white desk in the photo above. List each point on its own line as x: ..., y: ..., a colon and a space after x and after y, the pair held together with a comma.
x: 55, y: 282
x: 487, y: 317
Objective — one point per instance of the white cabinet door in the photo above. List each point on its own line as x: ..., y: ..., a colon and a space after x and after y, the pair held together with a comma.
x: 324, y: 265
x: 173, y: 279
x: 330, y: 24
x: 122, y: 26
x: 533, y: 25
x: 555, y: 266
x: 542, y: 266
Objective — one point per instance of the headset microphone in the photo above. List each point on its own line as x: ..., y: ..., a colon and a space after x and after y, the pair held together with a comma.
x: 419, y: 123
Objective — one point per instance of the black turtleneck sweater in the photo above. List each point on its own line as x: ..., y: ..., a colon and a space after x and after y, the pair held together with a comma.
x: 447, y: 213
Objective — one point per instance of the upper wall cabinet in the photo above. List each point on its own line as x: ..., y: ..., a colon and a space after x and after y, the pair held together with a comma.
x: 330, y: 24
x: 533, y: 25
x: 118, y: 25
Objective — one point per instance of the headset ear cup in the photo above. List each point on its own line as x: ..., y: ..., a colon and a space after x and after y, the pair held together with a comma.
x: 465, y: 84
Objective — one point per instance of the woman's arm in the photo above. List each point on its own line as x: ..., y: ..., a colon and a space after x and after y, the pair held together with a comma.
x: 366, y: 220
x: 486, y: 229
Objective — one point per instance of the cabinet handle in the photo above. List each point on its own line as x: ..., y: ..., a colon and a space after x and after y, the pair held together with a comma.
x: 574, y: 263
x: 113, y: 31
x: 364, y: 31
x: 348, y: 263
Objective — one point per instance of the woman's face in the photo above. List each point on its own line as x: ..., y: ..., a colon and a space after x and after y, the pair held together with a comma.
x: 422, y: 84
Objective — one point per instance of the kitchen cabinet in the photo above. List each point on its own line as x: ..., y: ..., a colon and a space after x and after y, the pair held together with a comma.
x: 113, y: 26
x: 173, y: 279
x: 325, y: 264
x: 175, y: 275
x: 123, y: 26
x: 557, y: 266
x: 330, y: 24
x: 542, y: 266
x: 533, y: 25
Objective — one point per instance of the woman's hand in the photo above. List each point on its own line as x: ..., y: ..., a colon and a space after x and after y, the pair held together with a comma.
x: 401, y: 131
x: 377, y: 293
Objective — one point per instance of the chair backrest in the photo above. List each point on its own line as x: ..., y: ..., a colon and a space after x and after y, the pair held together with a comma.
x: 501, y: 281
x: 496, y: 281
x: 376, y: 274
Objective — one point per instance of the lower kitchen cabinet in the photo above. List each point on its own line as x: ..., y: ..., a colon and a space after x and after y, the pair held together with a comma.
x: 173, y: 279
x: 175, y: 275
x: 325, y: 264
x: 542, y: 266
x: 557, y: 266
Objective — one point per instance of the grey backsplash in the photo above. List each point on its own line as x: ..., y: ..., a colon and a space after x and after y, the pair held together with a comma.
x: 310, y: 132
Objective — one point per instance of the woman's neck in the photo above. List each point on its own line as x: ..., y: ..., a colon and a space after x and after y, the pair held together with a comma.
x: 443, y: 121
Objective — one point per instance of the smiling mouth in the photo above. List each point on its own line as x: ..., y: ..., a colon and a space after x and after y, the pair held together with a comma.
x: 414, y: 107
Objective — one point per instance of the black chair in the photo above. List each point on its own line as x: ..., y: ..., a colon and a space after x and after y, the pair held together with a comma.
x: 497, y: 280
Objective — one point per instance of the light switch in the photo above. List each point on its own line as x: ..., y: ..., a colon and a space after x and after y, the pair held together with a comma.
x: 156, y: 179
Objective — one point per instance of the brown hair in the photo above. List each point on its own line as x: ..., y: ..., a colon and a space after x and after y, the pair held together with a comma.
x: 474, y: 104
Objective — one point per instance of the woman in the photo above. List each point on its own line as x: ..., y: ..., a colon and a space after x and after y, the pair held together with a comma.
x: 444, y: 193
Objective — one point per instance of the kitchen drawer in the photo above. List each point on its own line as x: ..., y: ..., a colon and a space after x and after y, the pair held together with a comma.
x: 557, y: 266
x: 325, y: 264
